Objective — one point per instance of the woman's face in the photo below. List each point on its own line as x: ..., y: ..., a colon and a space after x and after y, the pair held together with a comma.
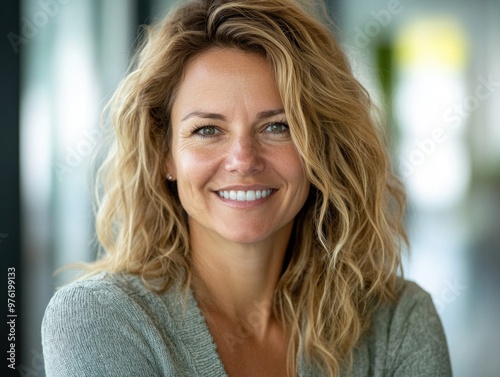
x: 238, y: 173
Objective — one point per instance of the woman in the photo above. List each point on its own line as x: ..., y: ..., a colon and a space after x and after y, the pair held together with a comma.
x: 245, y: 215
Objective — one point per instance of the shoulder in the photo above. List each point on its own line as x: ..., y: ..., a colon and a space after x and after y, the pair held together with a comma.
x: 103, y: 282
x: 411, y: 317
x: 407, y: 337
x: 90, y: 291
x: 411, y: 299
x: 105, y: 298
x: 101, y: 293
x: 111, y: 292
x: 108, y: 322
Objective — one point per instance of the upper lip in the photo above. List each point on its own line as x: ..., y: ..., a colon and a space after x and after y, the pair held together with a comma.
x: 245, y: 188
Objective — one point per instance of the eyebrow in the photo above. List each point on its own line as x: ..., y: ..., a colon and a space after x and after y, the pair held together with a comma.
x: 205, y: 115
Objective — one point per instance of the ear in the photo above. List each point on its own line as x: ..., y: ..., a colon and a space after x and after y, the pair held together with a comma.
x: 170, y: 166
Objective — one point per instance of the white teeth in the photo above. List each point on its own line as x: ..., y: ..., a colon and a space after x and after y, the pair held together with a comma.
x: 242, y: 196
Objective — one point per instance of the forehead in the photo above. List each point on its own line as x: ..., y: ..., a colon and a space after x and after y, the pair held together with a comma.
x: 222, y: 58
x: 221, y: 77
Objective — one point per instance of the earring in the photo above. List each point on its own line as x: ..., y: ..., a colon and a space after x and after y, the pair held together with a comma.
x: 169, y: 177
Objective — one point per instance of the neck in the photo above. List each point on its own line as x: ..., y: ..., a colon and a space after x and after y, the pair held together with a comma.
x: 237, y: 280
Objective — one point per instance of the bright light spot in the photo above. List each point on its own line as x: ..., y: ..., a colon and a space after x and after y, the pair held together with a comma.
x: 431, y: 56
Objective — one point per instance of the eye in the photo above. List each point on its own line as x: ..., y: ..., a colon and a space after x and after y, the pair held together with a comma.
x: 277, y: 128
x: 206, y: 131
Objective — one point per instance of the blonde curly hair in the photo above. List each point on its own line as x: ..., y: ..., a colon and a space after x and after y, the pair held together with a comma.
x: 344, y: 254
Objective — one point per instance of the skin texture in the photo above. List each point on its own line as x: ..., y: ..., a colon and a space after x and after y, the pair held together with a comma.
x: 229, y: 133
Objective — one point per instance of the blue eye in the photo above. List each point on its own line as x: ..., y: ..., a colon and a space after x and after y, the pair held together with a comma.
x: 277, y: 128
x: 206, y: 131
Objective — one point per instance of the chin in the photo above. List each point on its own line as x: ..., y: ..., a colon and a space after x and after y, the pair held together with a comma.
x: 246, y: 236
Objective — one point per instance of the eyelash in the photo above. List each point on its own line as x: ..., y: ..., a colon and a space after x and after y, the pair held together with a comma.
x: 280, y: 123
x: 197, y: 129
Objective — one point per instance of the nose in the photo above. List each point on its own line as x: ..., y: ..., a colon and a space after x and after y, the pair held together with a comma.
x: 244, y: 155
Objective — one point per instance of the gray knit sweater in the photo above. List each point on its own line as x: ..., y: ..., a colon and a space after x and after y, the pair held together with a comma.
x: 112, y: 325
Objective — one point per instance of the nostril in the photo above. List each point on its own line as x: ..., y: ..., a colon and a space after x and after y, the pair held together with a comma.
x: 244, y: 156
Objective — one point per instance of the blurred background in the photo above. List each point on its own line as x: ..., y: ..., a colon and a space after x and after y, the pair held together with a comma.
x: 433, y: 66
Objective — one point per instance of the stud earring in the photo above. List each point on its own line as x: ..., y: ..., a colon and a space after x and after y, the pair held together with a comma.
x: 169, y: 177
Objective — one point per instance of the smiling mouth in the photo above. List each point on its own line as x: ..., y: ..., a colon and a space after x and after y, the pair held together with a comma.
x: 248, y: 196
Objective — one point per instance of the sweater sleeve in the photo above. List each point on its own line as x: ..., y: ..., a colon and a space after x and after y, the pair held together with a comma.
x: 417, y: 345
x: 92, y: 331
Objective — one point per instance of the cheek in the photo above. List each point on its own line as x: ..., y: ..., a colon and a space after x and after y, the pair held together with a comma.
x: 195, y: 162
x: 194, y: 169
x: 292, y: 167
x: 296, y: 176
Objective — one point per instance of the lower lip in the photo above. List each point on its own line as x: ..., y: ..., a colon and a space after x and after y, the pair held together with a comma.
x: 244, y: 204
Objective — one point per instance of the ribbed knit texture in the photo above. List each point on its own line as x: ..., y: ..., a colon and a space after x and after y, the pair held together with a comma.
x: 112, y: 325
